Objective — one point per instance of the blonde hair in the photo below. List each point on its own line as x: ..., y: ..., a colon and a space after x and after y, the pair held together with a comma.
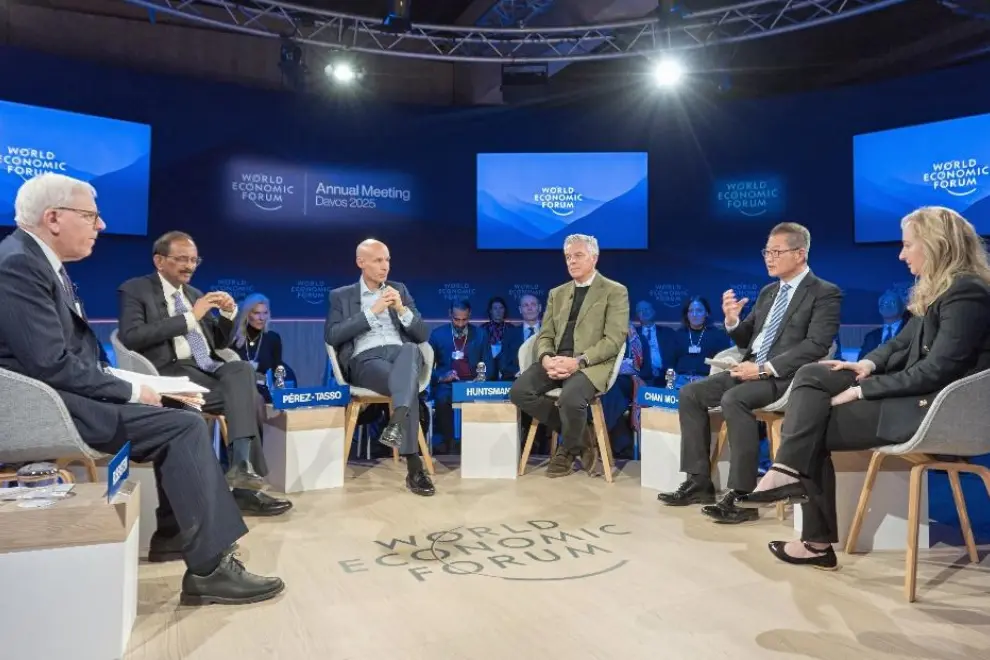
x: 951, y: 247
x: 244, y: 312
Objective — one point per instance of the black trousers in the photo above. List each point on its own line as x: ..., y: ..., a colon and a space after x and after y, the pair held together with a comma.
x: 393, y: 370
x: 738, y: 400
x: 568, y: 415
x: 193, y: 498
x: 233, y: 394
x: 812, y: 430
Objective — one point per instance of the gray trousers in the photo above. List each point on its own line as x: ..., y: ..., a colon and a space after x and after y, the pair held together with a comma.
x: 393, y: 370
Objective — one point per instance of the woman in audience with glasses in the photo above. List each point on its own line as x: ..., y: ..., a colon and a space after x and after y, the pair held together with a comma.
x: 883, y: 398
x: 695, y: 340
x: 255, y: 343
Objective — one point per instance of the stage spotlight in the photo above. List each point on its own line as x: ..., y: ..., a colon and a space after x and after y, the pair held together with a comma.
x: 667, y: 72
x: 341, y: 72
x: 397, y: 18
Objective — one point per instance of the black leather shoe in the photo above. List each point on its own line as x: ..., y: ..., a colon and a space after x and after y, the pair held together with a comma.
x: 229, y: 584
x: 690, y: 492
x: 392, y: 436
x: 242, y: 475
x: 420, y: 483
x: 824, y: 560
x: 257, y: 503
x: 725, y: 512
x: 561, y: 464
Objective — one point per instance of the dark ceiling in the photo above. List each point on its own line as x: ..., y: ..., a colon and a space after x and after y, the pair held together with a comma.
x: 439, y: 12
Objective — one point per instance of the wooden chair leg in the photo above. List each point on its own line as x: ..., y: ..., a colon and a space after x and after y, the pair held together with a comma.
x: 351, y: 414
x: 528, y: 447
x: 864, y: 501
x: 222, y: 421
x: 66, y: 476
x: 723, y: 439
x: 425, y: 449
x: 554, y: 441
x: 601, y: 434
x: 914, y: 514
x: 773, y: 432
x: 967, y: 530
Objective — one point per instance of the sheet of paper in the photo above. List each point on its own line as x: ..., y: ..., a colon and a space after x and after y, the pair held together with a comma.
x: 161, y: 384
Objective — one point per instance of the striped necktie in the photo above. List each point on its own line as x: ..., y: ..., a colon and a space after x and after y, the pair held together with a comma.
x: 773, y: 325
x: 197, y: 341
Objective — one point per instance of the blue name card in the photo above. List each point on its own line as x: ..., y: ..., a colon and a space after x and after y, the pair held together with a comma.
x: 118, y: 470
x: 311, y: 397
x: 658, y: 397
x: 494, y: 390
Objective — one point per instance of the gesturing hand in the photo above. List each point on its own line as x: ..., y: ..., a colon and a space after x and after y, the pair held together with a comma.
x: 731, y: 307
x: 202, y: 306
x: 862, y: 369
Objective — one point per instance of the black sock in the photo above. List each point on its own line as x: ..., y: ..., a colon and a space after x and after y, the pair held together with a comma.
x: 414, y: 463
x: 701, y: 479
x: 207, y: 567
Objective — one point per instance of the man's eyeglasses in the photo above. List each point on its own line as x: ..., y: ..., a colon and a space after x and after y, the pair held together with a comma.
x: 190, y: 261
x: 92, y: 216
x: 776, y: 254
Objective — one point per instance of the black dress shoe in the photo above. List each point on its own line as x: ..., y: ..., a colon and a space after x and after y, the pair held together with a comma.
x: 725, y: 512
x: 793, y: 493
x: 420, y: 483
x: 690, y: 492
x: 392, y: 436
x: 824, y: 560
x: 229, y: 584
x: 257, y: 503
x: 242, y: 475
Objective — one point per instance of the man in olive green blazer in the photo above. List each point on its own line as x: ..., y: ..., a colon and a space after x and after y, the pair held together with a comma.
x: 584, y: 332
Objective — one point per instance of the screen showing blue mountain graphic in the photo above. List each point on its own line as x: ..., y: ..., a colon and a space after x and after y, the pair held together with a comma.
x: 112, y: 155
x: 534, y: 201
x: 945, y: 163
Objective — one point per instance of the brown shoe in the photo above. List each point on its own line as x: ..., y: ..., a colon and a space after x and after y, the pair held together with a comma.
x: 561, y: 464
x: 590, y: 453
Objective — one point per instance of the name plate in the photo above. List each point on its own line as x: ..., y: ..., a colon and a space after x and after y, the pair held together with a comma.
x: 311, y: 397
x: 658, y: 397
x: 118, y: 469
x: 481, y: 391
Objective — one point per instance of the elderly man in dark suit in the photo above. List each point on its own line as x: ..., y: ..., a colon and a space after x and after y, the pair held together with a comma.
x: 176, y: 327
x: 792, y: 324
x: 374, y: 326
x: 44, y: 335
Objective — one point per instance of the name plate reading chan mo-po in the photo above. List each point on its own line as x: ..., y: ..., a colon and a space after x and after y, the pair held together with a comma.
x: 311, y: 397
x: 481, y: 391
x: 658, y: 397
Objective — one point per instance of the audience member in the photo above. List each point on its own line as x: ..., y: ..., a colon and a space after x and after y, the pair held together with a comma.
x: 895, y: 317
x: 496, y: 329
x: 256, y: 344
x: 697, y: 338
x: 657, y: 343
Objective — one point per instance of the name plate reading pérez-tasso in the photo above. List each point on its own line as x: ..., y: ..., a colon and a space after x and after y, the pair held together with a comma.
x: 481, y: 391
x: 311, y: 397
x: 658, y: 397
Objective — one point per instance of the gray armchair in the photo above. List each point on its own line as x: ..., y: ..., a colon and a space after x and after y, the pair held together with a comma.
x: 956, y: 427
x: 35, y: 425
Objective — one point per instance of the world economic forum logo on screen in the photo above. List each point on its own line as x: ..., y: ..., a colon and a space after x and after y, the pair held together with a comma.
x: 751, y: 197
x: 959, y: 178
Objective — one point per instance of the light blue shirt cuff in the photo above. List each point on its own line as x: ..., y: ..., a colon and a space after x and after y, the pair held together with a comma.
x: 372, y: 319
x: 407, y: 318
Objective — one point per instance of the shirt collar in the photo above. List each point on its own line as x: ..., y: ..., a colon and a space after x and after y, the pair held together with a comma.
x: 50, y: 255
x: 364, y: 287
x: 167, y: 287
x: 590, y: 280
x: 795, y: 281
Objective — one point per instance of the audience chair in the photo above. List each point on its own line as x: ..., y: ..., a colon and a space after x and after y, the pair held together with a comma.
x: 527, y: 356
x: 361, y: 396
x: 955, y: 428
x: 129, y: 360
x: 36, y: 426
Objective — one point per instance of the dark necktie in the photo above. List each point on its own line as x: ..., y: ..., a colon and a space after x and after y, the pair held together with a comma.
x: 530, y: 331
x: 70, y: 290
x: 888, y: 332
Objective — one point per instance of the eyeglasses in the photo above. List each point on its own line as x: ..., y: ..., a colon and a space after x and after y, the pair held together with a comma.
x: 92, y: 216
x: 776, y: 253
x: 192, y: 261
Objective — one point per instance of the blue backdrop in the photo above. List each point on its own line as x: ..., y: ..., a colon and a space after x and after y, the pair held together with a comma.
x: 720, y: 175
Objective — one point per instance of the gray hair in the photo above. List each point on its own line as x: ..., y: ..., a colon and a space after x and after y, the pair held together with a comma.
x: 43, y: 192
x: 798, y: 236
x: 590, y: 241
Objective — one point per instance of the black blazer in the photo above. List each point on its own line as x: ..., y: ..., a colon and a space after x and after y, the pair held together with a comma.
x: 809, y: 327
x: 346, y: 322
x: 874, y: 337
x: 145, y: 326
x: 951, y: 341
x: 42, y: 337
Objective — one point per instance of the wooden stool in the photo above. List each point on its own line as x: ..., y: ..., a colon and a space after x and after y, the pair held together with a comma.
x: 774, y: 422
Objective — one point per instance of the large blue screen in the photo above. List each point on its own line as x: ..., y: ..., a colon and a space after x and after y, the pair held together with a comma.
x: 533, y: 201
x: 945, y: 163
x: 113, y: 155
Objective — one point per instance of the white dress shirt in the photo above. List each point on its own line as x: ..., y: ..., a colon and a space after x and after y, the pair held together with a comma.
x: 181, y: 344
x: 56, y: 265
x: 795, y: 282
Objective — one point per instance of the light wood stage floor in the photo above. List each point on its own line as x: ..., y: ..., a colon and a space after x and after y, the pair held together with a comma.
x: 566, y: 568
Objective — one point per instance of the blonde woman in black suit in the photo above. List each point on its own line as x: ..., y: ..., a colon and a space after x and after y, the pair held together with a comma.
x: 843, y: 406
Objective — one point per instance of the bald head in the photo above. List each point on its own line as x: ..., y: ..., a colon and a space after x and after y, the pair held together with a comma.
x: 373, y: 259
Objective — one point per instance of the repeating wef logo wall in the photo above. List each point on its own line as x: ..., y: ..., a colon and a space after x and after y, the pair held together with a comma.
x: 957, y: 177
x: 749, y: 197
x: 28, y: 162
x: 517, y: 291
x: 669, y: 295
x: 559, y: 200
x: 455, y: 291
x: 534, y: 550
x: 237, y: 288
x: 742, y: 290
x: 312, y: 291
x: 265, y: 190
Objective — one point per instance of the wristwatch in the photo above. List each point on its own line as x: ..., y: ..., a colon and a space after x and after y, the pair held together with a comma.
x: 763, y: 372
x: 582, y: 362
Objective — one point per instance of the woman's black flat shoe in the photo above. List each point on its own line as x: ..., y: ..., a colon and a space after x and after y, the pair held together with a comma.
x: 824, y: 560
x: 794, y: 493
